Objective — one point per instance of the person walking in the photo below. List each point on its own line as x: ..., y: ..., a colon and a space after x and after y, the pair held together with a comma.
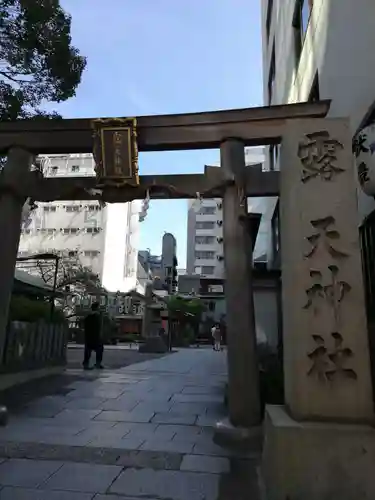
x: 216, y: 334
x: 93, y: 340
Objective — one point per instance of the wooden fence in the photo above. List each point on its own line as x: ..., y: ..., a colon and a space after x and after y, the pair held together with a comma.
x: 32, y: 346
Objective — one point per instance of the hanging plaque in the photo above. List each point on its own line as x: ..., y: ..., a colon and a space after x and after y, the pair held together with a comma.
x: 115, y: 150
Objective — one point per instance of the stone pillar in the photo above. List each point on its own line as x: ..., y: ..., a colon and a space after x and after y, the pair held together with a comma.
x: 17, y: 166
x: 146, y: 320
x: 308, y: 451
x: 153, y: 342
x: 243, y: 377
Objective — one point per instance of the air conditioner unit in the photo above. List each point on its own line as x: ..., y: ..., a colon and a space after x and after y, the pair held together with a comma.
x: 219, y: 205
x: 219, y: 223
x: 220, y: 240
x: 220, y: 257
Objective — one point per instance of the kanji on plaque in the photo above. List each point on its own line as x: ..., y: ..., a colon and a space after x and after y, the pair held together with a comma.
x: 325, y: 235
x: 332, y: 293
x: 318, y: 154
x: 115, y: 150
x: 331, y: 362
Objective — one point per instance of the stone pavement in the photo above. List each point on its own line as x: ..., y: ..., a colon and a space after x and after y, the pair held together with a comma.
x: 140, y: 432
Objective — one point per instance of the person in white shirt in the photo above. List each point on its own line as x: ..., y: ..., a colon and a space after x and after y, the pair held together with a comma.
x: 216, y: 335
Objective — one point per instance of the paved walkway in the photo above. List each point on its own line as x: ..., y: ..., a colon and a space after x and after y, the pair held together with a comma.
x: 140, y: 432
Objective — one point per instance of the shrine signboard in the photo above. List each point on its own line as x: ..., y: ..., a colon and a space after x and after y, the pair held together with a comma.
x: 116, y: 304
x: 116, y: 151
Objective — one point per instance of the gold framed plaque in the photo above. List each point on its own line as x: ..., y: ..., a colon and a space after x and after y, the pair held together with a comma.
x: 116, y: 150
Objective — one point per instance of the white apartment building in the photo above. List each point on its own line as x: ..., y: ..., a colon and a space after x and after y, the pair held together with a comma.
x: 321, y: 49
x: 205, y: 233
x: 103, y: 238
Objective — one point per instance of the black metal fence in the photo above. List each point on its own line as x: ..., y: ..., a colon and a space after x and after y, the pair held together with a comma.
x: 31, y: 346
x: 367, y: 240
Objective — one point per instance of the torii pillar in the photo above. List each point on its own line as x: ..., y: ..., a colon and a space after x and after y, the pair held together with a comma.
x: 14, y: 173
x: 243, y: 376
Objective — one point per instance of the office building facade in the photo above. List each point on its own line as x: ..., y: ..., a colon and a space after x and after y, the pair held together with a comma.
x: 316, y: 50
x: 103, y: 238
x: 205, y: 254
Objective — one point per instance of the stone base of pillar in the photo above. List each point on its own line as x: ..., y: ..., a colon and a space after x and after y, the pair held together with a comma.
x: 316, y: 461
x: 154, y: 345
x: 238, y: 438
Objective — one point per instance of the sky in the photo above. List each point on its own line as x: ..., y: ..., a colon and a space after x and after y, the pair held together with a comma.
x: 148, y: 57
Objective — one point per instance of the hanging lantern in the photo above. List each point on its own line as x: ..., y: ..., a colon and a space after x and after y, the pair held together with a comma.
x: 364, y: 152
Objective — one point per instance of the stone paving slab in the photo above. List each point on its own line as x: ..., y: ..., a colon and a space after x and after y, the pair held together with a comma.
x: 85, y: 478
x: 214, y: 465
x: 9, y: 493
x: 76, y: 415
x: 174, y: 418
x: 158, y: 418
x: 162, y: 445
x: 26, y: 473
x: 120, y: 404
x: 167, y: 484
x: 125, y: 416
x: 116, y: 497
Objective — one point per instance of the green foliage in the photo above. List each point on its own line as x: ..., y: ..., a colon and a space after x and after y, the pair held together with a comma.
x: 31, y: 311
x: 188, y: 313
x: 38, y: 64
x: 181, y: 307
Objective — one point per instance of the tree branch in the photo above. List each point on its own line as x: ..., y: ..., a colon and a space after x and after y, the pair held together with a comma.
x: 7, y: 74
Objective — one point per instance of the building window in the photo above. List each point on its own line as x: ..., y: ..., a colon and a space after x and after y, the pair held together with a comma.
x: 93, y: 230
x: 205, y: 225
x: 204, y: 254
x: 207, y: 210
x: 208, y: 270
x: 91, y: 253
x: 54, y: 169
x: 72, y: 208
x: 300, y: 23
x: 269, y: 17
x: 70, y: 230
x: 51, y: 231
x: 49, y: 208
x: 72, y: 253
x: 315, y: 90
x: 204, y: 240
x: 272, y: 75
x: 75, y: 168
x: 93, y: 208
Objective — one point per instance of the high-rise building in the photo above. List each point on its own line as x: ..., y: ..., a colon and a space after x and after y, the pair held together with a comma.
x: 102, y: 238
x: 321, y: 49
x: 161, y: 269
x: 205, y: 254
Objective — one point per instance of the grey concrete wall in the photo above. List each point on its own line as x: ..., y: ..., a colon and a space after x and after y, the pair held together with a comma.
x: 338, y: 46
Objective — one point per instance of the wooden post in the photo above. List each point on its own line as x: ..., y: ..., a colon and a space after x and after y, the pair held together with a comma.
x: 17, y: 166
x: 244, y: 401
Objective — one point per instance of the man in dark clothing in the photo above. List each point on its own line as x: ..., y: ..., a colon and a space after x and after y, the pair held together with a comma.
x: 93, y: 340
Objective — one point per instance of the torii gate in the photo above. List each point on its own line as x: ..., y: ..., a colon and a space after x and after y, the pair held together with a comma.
x: 230, y: 131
